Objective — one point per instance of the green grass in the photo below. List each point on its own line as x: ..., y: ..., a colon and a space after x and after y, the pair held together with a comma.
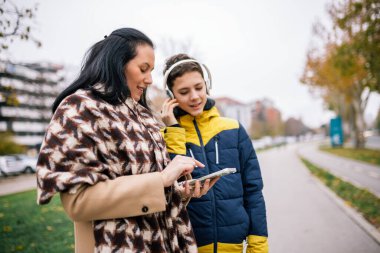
x: 27, y: 227
x: 360, y: 199
x: 366, y: 155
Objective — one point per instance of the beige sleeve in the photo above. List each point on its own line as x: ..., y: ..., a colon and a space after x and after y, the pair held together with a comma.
x: 124, y: 196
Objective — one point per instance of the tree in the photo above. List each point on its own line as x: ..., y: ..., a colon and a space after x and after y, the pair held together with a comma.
x: 360, y: 21
x: 9, y: 96
x: 16, y: 24
x: 8, y: 146
x: 342, y: 78
x: 295, y: 127
x: 377, y: 121
x: 266, y: 120
x: 343, y: 69
x: 170, y: 46
x: 257, y: 129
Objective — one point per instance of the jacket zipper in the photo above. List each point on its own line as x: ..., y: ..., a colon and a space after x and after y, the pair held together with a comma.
x: 212, y: 190
x: 191, y: 153
x: 216, y: 150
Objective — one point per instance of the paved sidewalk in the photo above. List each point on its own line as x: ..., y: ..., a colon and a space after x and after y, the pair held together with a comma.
x: 20, y: 183
x: 360, y: 174
x: 301, y: 216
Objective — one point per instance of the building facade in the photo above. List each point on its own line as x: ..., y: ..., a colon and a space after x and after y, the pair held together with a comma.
x: 27, y: 92
x: 266, y: 119
x: 232, y: 108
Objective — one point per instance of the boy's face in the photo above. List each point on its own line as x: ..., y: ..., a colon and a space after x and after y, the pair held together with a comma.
x: 190, y: 92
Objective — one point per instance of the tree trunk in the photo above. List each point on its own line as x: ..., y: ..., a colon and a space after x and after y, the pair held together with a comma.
x: 358, y: 123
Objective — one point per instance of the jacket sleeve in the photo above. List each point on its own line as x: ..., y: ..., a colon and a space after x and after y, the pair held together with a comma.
x: 175, y: 139
x: 73, y: 162
x: 73, y: 149
x: 253, y: 198
x: 124, y: 196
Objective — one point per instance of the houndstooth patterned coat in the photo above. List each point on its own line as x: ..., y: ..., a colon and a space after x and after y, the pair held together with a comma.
x: 90, y: 141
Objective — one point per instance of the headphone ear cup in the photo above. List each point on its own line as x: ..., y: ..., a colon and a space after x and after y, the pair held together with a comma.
x: 208, y: 80
x: 207, y: 83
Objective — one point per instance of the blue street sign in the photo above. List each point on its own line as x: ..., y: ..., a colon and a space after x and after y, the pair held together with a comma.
x: 336, y: 132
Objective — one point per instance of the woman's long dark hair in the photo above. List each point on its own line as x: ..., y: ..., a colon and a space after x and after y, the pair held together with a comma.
x: 104, y: 63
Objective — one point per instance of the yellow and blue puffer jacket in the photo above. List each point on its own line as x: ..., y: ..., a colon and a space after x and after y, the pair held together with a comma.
x: 233, y: 210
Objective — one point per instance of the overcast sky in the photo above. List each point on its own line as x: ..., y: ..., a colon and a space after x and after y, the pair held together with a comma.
x: 254, y: 49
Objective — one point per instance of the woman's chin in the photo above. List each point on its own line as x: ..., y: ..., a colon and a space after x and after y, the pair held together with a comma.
x: 136, y: 98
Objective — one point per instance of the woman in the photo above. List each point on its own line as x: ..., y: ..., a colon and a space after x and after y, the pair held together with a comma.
x: 104, y: 154
x: 234, y: 209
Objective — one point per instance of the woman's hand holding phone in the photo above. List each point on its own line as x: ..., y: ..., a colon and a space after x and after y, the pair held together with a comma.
x: 179, y: 166
x: 167, y: 114
x: 198, y: 189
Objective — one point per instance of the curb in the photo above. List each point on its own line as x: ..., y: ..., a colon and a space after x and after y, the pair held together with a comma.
x: 347, y: 162
x: 17, y: 184
x: 351, y: 212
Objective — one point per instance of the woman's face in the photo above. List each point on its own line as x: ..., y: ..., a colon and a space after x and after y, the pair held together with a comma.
x: 138, y: 71
x: 190, y: 92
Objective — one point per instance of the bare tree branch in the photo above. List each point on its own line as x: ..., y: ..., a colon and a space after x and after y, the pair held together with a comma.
x: 16, y: 24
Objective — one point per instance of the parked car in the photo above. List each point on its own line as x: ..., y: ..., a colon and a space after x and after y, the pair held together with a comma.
x: 14, y: 164
x: 29, y: 163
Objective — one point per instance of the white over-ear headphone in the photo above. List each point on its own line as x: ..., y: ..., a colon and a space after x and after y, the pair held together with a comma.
x: 205, y: 72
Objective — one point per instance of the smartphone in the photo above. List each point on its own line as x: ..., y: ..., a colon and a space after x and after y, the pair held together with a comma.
x: 211, y: 176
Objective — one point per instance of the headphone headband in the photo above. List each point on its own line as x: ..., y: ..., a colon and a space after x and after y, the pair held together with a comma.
x: 204, y: 69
